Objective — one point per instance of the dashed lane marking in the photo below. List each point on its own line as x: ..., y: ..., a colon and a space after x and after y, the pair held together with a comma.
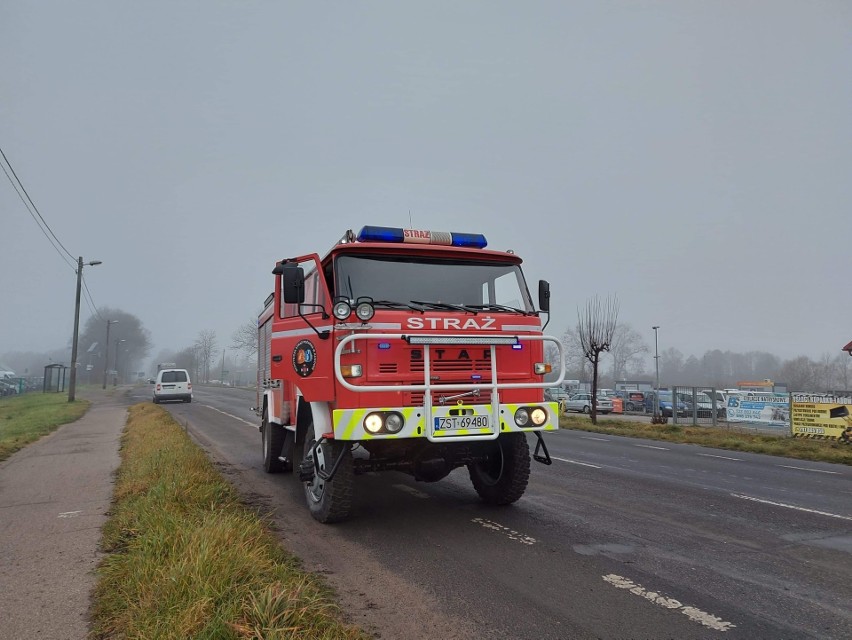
x: 696, y: 615
x: 415, y: 492
x: 224, y: 413
x: 510, y: 533
x: 710, y: 455
x: 598, y: 439
x: 787, y: 466
x: 584, y: 464
x: 791, y: 506
x: 648, y: 446
x: 69, y: 514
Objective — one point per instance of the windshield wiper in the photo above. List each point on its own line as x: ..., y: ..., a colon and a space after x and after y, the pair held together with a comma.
x: 497, y: 307
x: 446, y: 305
x: 397, y: 305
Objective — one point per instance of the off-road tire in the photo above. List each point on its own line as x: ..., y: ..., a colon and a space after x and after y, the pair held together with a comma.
x: 272, y: 441
x: 329, y: 500
x: 502, y: 479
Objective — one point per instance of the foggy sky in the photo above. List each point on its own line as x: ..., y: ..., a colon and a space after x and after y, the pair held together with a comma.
x: 691, y: 158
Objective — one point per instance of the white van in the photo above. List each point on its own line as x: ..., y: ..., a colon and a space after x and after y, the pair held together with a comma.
x: 172, y: 384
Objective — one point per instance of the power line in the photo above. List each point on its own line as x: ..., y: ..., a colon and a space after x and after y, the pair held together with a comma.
x: 35, y: 208
x: 91, y: 301
x: 49, y: 239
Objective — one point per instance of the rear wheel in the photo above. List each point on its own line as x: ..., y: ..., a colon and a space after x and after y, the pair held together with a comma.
x: 329, y: 500
x: 272, y: 437
x: 502, y: 477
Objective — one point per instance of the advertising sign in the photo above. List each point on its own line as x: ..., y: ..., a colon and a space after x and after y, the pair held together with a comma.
x: 823, y: 419
x: 771, y: 409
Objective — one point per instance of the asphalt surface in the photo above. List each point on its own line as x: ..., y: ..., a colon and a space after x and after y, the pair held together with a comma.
x: 54, y: 499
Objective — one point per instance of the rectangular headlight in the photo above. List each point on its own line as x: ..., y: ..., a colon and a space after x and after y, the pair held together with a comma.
x: 351, y: 370
x: 542, y: 367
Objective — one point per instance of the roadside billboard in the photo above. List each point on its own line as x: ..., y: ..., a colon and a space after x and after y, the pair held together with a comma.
x: 772, y: 409
x: 827, y: 417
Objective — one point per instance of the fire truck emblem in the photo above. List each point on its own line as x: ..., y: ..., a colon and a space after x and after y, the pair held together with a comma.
x: 304, y: 358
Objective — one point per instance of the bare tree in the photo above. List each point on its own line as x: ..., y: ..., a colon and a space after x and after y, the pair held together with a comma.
x: 627, y: 349
x: 244, y: 339
x: 596, y: 327
x: 206, y: 347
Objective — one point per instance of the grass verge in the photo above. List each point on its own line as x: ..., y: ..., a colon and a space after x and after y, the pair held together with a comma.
x: 26, y: 418
x: 801, y: 449
x: 187, y: 560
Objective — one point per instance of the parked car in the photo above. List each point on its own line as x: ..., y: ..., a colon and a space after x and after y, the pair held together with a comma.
x: 582, y: 402
x: 632, y: 400
x: 172, y: 384
x: 667, y: 403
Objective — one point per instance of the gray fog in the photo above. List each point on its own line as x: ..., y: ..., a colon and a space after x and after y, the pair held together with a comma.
x: 693, y: 159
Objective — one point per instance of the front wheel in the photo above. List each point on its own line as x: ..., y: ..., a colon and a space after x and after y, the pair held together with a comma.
x: 329, y: 500
x: 502, y: 477
x: 586, y: 409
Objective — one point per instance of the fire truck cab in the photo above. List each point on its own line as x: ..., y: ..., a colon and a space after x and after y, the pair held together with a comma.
x: 408, y: 350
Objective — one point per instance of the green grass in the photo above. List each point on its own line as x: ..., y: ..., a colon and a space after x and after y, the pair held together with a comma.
x: 721, y: 438
x: 187, y: 560
x: 26, y: 418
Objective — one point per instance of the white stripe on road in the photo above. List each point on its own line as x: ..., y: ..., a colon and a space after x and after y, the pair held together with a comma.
x: 697, y: 615
x: 786, y: 466
x: 648, y: 446
x: 415, y: 492
x: 710, y: 455
x: 251, y: 424
x: 791, y: 506
x: 584, y: 464
x: 511, y: 533
x: 598, y: 439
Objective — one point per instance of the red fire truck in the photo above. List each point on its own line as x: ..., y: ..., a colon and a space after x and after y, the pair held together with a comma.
x: 407, y: 350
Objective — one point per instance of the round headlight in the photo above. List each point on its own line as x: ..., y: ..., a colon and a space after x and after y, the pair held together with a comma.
x: 522, y: 417
x: 373, y: 423
x: 341, y: 310
x: 539, y: 416
x: 364, y: 311
x: 394, y: 422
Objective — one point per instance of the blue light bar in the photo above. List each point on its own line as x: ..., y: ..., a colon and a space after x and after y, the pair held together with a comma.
x: 417, y: 236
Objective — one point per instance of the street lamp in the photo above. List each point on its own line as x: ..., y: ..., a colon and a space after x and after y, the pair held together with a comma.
x: 117, y: 342
x: 657, y: 363
x: 106, y: 356
x: 72, y: 385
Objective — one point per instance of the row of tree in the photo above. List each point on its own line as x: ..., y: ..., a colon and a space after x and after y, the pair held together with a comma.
x: 629, y: 357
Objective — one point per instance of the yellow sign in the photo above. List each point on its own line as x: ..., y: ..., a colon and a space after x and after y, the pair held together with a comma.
x: 822, y: 419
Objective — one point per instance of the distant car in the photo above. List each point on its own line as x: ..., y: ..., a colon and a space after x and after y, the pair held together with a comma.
x: 172, y: 384
x: 667, y: 407
x: 632, y: 400
x: 555, y: 395
x: 582, y: 402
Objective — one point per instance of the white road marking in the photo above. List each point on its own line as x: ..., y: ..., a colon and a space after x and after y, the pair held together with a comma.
x: 697, y: 615
x: 70, y: 514
x: 510, y: 533
x: 585, y: 464
x: 598, y: 439
x: 251, y: 424
x: 415, y: 492
x: 791, y: 506
x: 786, y: 466
x: 648, y: 446
x: 710, y: 455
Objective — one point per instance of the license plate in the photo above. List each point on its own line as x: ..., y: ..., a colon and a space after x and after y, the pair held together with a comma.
x: 457, y: 423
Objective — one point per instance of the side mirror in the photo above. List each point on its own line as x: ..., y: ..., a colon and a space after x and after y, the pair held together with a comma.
x: 292, y: 283
x: 544, y: 295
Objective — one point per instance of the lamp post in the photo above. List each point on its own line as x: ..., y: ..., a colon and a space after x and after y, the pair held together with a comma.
x: 106, y: 356
x: 117, y: 342
x: 657, y: 364
x: 72, y: 385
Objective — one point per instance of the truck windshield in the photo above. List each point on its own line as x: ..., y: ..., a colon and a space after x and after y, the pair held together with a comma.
x: 403, y: 279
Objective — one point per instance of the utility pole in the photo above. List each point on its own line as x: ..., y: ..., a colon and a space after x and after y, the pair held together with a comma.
x: 72, y: 385
x: 657, y: 364
x: 106, y: 357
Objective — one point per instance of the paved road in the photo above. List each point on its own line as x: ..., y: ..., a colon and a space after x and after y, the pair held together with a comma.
x: 618, y: 538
